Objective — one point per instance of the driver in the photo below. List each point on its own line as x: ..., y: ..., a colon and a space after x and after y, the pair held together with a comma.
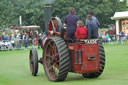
x: 55, y: 31
x: 70, y: 22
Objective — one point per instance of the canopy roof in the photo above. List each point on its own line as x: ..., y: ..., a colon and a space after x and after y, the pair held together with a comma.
x: 25, y: 27
x: 120, y: 15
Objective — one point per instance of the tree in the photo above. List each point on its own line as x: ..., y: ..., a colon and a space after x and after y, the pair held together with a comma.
x: 32, y: 10
x: 103, y: 9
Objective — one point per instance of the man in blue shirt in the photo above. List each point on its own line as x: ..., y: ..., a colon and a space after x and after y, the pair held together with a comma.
x: 94, y: 21
x: 3, y: 36
x: 70, y: 22
x: 92, y: 28
x: 6, y: 38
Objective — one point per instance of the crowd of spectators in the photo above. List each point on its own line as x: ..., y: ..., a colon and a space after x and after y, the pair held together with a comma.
x: 19, y: 39
x: 106, y: 38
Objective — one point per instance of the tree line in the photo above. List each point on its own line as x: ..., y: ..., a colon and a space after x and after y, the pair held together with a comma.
x: 32, y: 11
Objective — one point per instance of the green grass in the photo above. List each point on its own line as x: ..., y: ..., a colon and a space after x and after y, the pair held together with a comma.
x: 14, y: 69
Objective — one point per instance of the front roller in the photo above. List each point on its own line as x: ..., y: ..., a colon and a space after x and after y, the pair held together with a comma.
x: 33, y: 61
x: 56, y: 59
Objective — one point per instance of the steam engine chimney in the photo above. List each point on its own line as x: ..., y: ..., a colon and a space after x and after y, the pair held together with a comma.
x: 47, y: 15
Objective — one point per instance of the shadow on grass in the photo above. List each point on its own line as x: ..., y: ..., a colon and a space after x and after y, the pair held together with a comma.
x: 80, y: 78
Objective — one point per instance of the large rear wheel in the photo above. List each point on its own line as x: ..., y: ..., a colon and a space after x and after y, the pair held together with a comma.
x: 56, y: 59
x: 102, y: 64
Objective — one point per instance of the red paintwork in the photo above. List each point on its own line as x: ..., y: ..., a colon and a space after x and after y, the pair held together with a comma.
x: 87, y: 50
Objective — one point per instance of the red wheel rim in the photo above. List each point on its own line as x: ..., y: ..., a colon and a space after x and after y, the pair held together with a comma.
x: 51, y: 60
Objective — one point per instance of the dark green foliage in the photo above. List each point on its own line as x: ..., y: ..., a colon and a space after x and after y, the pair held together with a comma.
x: 32, y: 10
x: 103, y: 9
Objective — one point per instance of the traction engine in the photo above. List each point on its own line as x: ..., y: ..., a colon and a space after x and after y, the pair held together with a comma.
x: 61, y: 55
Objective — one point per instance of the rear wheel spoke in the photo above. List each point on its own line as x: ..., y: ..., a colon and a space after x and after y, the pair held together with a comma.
x: 55, y: 55
x: 48, y: 55
x: 51, y: 67
x: 51, y: 46
x: 54, y: 47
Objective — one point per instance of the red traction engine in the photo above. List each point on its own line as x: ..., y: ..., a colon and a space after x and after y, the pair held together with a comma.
x: 61, y: 55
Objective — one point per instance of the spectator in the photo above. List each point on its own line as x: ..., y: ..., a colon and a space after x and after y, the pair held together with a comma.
x: 108, y: 38
x: 81, y: 31
x: 13, y: 40
x: 39, y: 40
x: 122, y: 37
x: 103, y: 37
x: 70, y: 22
x: 26, y: 40
x: 0, y: 38
x: 18, y: 44
x: 3, y: 35
x: 6, y: 38
x: 32, y: 37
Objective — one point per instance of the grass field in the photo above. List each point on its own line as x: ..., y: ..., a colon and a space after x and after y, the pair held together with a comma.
x: 14, y: 69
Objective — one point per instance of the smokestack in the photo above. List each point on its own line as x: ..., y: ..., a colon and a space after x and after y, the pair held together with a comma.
x: 47, y: 12
x: 47, y: 15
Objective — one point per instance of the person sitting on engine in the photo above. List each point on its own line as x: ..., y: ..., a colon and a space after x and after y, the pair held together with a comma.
x: 81, y: 31
x: 92, y: 28
x: 70, y: 22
